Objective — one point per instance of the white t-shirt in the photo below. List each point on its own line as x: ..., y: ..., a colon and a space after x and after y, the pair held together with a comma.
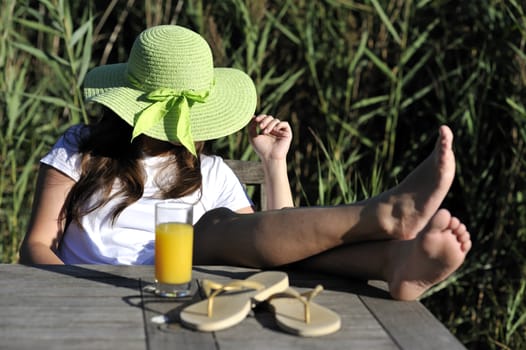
x: 130, y: 239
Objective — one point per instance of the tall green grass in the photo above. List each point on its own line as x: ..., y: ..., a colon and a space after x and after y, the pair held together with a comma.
x: 365, y: 84
x: 43, y: 61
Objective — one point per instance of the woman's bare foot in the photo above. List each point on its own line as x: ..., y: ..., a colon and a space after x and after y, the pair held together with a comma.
x: 428, y: 259
x: 404, y: 210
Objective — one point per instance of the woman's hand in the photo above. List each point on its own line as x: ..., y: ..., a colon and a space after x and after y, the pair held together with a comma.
x: 270, y: 137
x: 271, y: 140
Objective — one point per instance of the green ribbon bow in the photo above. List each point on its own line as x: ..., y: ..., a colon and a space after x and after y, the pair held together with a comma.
x: 174, y: 104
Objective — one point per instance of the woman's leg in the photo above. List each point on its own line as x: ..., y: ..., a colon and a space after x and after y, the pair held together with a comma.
x: 410, y: 266
x: 284, y: 236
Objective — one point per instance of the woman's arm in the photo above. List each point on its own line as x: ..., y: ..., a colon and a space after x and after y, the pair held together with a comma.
x: 44, y: 231
x: 272, y: 143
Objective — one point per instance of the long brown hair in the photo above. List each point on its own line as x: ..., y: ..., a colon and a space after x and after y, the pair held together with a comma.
x: 111, y: 168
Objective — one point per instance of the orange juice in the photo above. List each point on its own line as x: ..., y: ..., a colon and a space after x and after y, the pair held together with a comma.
x: 173, y: 252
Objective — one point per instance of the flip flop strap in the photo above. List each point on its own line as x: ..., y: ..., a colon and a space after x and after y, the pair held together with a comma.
x: 212, y: 289
x: 305, y: 298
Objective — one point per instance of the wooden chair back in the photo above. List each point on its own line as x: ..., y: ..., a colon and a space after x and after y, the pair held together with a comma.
x: 250, y: 173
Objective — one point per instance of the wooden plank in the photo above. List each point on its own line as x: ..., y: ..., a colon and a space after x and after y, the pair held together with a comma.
x: 248, y: 172
x: 70, y: 344
x: 68, y: 308
x: 251, y: 173
x: 171, y: 334
x: 410, y: 324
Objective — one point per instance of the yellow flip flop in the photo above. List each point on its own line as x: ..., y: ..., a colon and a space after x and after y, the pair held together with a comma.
x: 297, y: 314
x: 227, y: 305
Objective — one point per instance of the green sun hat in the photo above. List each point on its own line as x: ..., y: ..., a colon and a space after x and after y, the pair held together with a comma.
x: 170, y: 90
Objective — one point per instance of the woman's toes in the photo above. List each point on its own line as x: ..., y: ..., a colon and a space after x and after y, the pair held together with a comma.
x: 455, y: 223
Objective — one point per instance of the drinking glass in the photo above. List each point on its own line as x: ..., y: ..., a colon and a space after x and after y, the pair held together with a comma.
x: 174, y: 235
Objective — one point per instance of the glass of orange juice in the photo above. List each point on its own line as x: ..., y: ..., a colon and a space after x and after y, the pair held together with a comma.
x: 174, y: 236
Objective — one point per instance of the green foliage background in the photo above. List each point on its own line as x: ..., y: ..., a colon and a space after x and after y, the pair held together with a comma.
x: 365, y: 85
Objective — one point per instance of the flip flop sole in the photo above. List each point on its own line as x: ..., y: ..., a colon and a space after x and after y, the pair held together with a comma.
x: 290, y: 316
x: 232, y: 307
x: 228, y: 311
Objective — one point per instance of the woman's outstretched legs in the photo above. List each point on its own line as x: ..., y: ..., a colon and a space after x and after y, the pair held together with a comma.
x: 409, y: 266
x: 272, y: 238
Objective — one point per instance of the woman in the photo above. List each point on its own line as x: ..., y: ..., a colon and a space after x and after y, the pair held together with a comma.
x: 96, y: 189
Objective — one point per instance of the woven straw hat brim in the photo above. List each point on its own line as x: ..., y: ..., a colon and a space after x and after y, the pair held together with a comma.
x: 229, y: 107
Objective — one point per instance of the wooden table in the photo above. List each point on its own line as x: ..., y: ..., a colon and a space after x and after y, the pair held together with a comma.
x: 105, y: 307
